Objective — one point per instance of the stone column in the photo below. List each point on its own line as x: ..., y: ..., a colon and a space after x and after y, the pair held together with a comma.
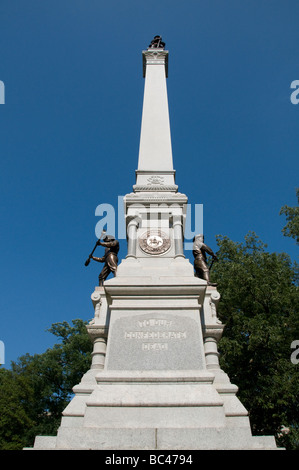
x: 132, y: 238
x: 211, y: 352
x: 178, y: 235
x: 98, y: 336
x: 212, y: 329
x: 98, y: 329
x: 99, y: 352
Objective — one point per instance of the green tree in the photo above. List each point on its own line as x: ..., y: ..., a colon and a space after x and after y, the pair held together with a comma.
x: 291, y: 228
x: 35, y: 391
x: 259, y: 307
x: 14, y: 419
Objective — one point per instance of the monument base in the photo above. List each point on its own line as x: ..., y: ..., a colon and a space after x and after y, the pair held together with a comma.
x: 153, y: 411
x: 155, y: 382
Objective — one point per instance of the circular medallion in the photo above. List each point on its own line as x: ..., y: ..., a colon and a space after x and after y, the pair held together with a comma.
x: 154, y: 242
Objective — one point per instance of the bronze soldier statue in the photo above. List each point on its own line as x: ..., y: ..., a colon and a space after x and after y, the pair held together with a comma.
x: 110, y: 257
x: 200, y: 258
x: 157, y: 43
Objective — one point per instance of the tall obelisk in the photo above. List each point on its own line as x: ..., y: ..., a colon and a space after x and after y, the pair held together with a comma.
x: 155, y: 380
x: 155, y: 151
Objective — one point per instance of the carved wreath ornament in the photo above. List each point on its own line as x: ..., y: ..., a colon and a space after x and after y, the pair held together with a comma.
x: 155, y: 179
x: 154, y: 242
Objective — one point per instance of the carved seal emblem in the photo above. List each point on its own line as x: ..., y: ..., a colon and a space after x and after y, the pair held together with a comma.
x: 154, y: 242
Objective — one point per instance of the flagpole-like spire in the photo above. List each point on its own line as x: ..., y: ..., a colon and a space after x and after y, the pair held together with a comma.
x: 155, y: 161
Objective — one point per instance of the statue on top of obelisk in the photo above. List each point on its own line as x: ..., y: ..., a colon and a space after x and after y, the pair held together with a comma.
x: 157, y: 43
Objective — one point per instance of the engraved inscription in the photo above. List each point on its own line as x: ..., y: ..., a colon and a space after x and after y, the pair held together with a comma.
x: 159, y: 341
x: 154, y: 346
x: 154, y: 335
x: 154, y: 322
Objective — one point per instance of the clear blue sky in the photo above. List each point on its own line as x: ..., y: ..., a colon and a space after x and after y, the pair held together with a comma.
x: 70, y: 126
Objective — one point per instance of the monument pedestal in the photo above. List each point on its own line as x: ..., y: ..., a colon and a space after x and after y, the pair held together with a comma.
x: 157, y: 383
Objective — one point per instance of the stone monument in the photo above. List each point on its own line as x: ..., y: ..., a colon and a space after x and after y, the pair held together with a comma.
x: 155, y: 380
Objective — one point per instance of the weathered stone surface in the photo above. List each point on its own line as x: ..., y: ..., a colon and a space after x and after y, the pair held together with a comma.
x: 154, y: 341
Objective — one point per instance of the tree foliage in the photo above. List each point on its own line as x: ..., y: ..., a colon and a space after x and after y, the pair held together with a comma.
x: 259, y: 307
x: 35, y: 391
x: 291, y: 229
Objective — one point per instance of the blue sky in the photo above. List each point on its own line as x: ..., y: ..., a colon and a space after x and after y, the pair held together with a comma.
x: 70, y: 127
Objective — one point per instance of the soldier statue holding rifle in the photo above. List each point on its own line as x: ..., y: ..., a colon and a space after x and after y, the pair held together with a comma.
x: 110, y: 257
x: 200, y: 259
